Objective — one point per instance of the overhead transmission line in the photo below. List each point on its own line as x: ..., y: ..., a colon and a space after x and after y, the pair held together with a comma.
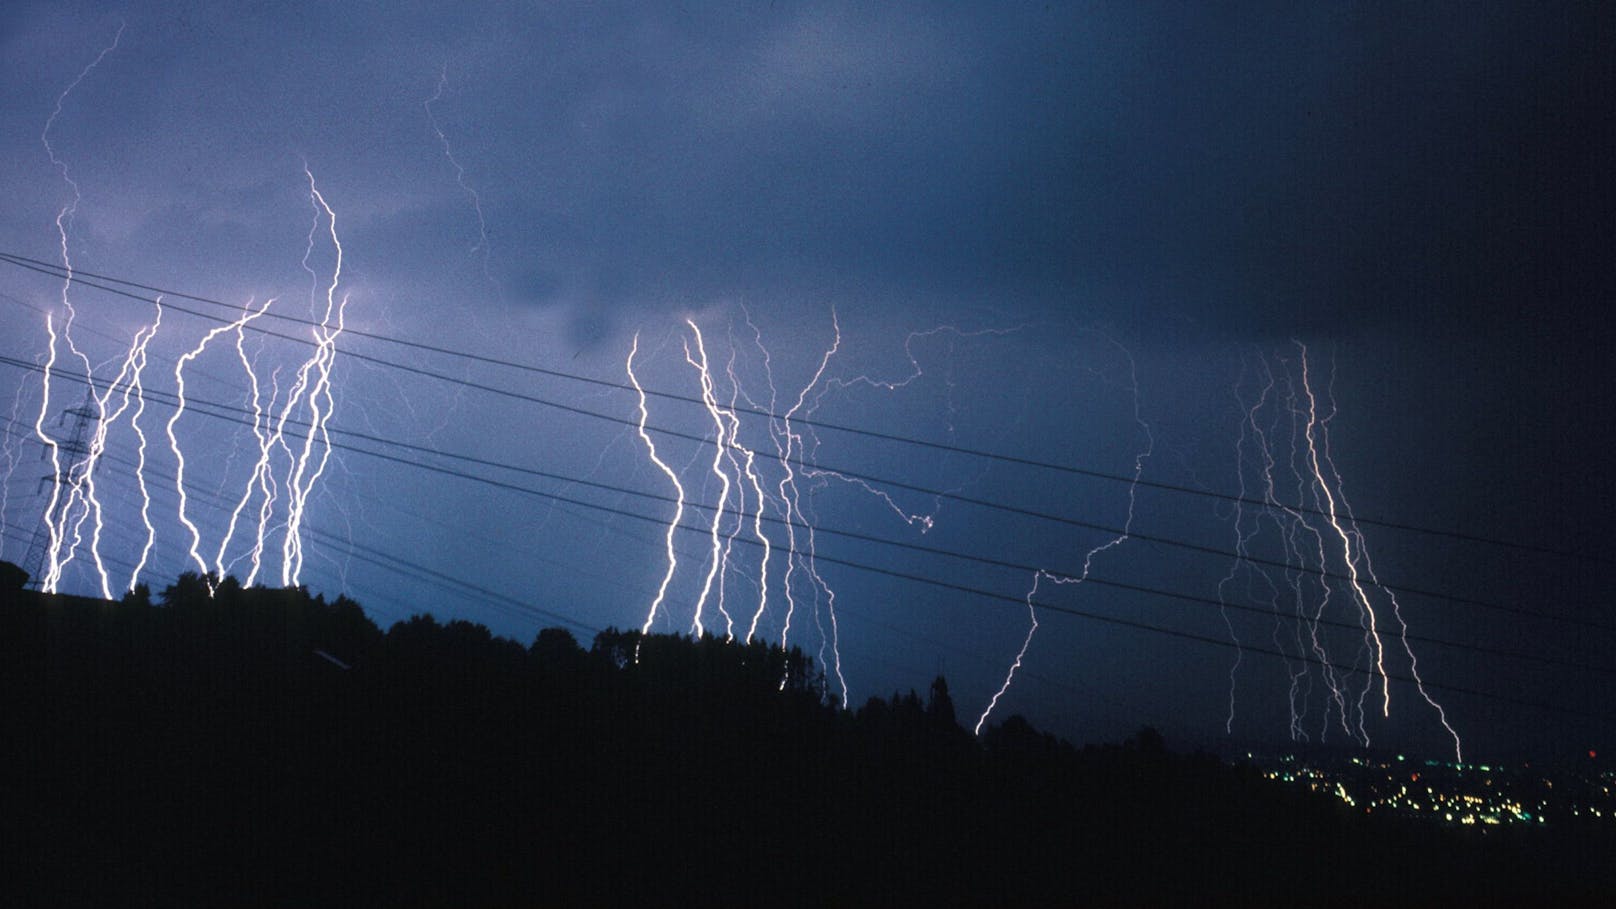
x: 462, y: 588
x: 205, y: 408
x: 83, y: 277
x: 962, y: 588
x: 240, y: 415
x: 1115, y: 620
x: 843, y: 473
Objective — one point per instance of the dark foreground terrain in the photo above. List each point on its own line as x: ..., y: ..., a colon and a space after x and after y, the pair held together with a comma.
x: 265, y: 748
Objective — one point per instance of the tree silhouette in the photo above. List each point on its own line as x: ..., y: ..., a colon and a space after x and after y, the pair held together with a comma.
x: 447, y: 765
x: 939, y: 706
x: 12, y: 577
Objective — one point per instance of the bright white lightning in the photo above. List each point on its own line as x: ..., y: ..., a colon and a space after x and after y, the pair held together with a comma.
x: 140, y: 463
x: 1369, y: 568
x: 757, y: 516
x: 47, y: 583
x: 1346, y: 542
x: 1032, y: 616
x: 321, y: 402
x: 179, y: 455
x: 64, y: 218
x: 791, y: 496
x: 1088, y: 560
x: 128, y: 378
x: 749, y: 460
x: 733, y: 429
x: 679, y: 505
x: 259, y: 433
x: 720, y: 445
x: 1291, y: 525
x: 1338, y: 691
x: 263, y: 473
x: 80, y: 475
x: 321, y: 405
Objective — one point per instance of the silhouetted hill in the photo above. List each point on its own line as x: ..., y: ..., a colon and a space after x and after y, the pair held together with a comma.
x: 262, y: 747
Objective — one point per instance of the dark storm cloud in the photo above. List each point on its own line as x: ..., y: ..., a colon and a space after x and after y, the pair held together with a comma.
x: 1264, y: 169
x: 1390, y: 168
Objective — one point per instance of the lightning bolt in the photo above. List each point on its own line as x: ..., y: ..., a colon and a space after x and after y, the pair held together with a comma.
x: 64, y: 220
x: 320, y: 400
x: 140, y: 463
x: 679, y: 490
x: 127, y: 378
x: 1032, y: 616
x: 720, y: 445
x: 54, y: 529
x: 925, y: 521
x: 733, y: 429
x: 1088, y: 559
x: 757, y: 516
x: 748, y: 468
x: 64, y: 217
x: 1369, y: 569
x: 259, y: 433
x: 80, y: 476
x: 1331, y: 514
x: 460, y: 173
x: 1296, y: 467
x: 791, y: 496
x: 1286, y: 530
x: 262, y: 473
x: 174, y: 442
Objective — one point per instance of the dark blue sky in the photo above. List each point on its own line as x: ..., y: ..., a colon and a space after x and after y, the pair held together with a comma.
x: 1109, y: 206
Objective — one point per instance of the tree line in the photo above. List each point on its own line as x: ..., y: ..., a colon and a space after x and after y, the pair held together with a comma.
x: 266, y: 746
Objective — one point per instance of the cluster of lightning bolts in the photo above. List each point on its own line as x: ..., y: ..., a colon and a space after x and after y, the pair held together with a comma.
x: 288, y: 465
x: 1282, y: 454
x: 1284, y: 462
x: 760, y: 477
x: 285, y: 473
x: 746, y: 500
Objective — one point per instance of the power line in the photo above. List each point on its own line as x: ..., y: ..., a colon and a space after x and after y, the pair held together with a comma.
x: 1050, y: 607
x: 457, y: 586
x: 80, y: 277
x: 224, y: 412
x: 1017, y: 600
x: 1000, y: 563
x: 1145, y: 626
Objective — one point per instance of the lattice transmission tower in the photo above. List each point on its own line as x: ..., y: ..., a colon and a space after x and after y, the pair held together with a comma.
x: 76, y: 449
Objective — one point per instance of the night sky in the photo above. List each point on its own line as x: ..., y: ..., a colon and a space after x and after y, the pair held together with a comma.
x: 1080, y: 235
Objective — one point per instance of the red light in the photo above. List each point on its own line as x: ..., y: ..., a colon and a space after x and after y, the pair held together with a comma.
x: 1592, y: 754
